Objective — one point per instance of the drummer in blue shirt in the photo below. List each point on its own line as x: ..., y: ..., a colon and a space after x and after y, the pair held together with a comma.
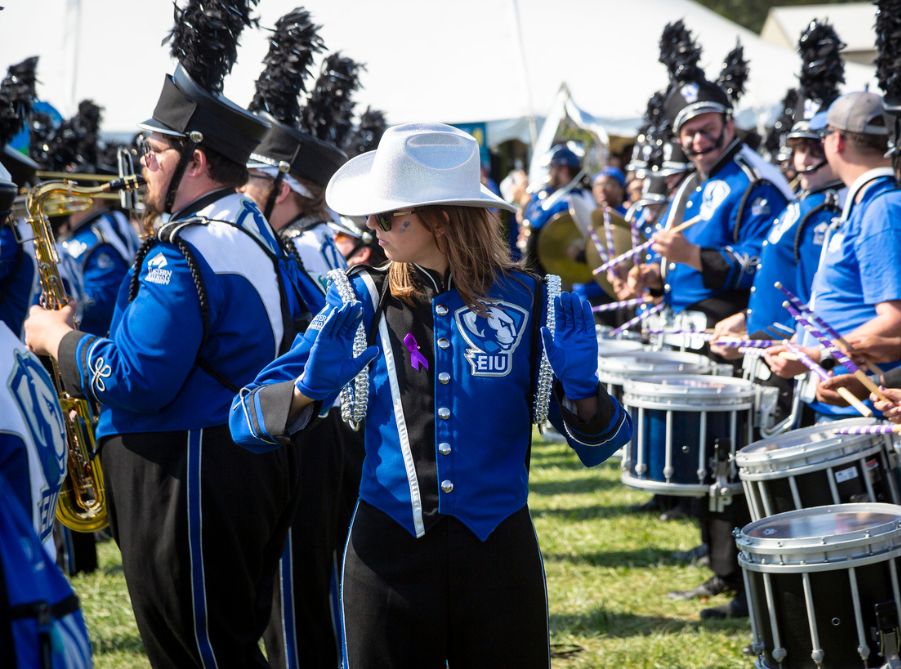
x: 857, y: 288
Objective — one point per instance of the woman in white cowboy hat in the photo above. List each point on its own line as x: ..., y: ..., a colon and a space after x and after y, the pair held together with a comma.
x: 442, y: 564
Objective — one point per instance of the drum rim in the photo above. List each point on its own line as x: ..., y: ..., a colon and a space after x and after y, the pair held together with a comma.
x: 753, y: 473
x: 678, y: 489
x: 741, y: 391
x: 765, y: 546
x: 798, y: 450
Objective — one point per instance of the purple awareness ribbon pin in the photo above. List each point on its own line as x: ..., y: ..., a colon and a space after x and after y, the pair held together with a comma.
x: 416, y: 358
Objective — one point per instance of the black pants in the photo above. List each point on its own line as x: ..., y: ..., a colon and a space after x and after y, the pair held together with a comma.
x: 716, y: 532
x: 201, y: 523
x: 302, y: 630
x: 444, y: 599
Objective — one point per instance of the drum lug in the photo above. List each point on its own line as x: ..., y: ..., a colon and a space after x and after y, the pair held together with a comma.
x: 817, y: 657
x: 887, y: 624
x: 779, y: 654
x: 720, y: 492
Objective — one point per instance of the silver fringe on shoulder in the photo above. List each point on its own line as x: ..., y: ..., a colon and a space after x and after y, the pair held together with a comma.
x: 355, y: 395
x: 545, y: 373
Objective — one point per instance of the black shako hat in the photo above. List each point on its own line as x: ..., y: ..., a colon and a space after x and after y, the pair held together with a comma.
x: 693, y: 98
x: 17, y: 97
x: 307, y: 157
x: 184, y: 108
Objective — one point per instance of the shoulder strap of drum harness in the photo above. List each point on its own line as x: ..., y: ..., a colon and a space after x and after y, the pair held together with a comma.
x: 831, y: 203
x: 170, y: 234
x: 756, y: 180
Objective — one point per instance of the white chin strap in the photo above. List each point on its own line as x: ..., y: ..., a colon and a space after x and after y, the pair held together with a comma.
x: 295, y: 185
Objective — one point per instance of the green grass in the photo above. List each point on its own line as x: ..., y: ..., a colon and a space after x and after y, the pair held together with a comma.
x: 608, y: 573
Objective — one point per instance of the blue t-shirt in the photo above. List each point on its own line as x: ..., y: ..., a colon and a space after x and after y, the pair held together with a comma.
x: 861, y: 264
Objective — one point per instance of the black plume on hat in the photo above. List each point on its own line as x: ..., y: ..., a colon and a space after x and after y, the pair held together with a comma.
x: 680, y: 53
x: 17, y: 96
x: 734, y: 73
x: 292, y: 47
x: 822, y: 68
x: 73, y: 142
x: 328, y: 114
x: 783, y: 124
x: 888, y: 70
x: 205, y: 38
x: 656, y: 132
x: 366, y: 134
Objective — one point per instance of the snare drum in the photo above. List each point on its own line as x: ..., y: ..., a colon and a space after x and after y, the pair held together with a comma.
x: 677, y: 420
x: 615, y: 368
x: 813, y: 466
x: 813, y: 579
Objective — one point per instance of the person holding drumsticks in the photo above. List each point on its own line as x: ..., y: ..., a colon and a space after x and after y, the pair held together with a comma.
x: 442, y: 562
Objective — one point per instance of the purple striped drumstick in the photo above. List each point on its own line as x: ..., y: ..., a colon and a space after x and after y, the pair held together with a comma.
x: 608, y: 231
x: 752, y: 352
x: 834, y: 336
x: 868, y: 429
x: 612, y: 306
x: 862, y: 409
x: 636, y: 238
x: 840, y: 356
x: 641, y: 248
x: 597, y: 244
x: 745, y: 343
x: 640, y: 317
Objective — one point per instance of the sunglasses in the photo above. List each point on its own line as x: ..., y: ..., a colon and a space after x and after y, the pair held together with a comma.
x: 825, y: 132
x: 384, y: 220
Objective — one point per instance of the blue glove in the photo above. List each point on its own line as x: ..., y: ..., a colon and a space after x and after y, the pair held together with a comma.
x: 331, y: 364
x: 573, y: 348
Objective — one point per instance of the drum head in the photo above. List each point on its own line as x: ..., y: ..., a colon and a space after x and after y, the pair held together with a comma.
x: 804, y: 443
x: 821, y: 521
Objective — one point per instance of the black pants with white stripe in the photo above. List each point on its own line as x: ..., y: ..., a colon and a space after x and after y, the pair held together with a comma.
x: 201, y: 523
x: 446, y: 598
x: 302, y: 631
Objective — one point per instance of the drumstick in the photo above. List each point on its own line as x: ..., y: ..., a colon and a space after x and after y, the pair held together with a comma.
x: 836, y: 338
x: 597, y: 244
x: 612, y: 306
x: 640, y: 317
x: 691, y: 333
x: 641, y: 248
x: 824, y: 376
x: 869, y: 429
x: 608, y: 231
x: 840, y: 356
x: 636, y: 237
x: 728, y: 342
x: 752, y: 352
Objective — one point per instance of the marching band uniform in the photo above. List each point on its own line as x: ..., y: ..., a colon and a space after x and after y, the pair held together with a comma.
x: 737, y: 202
x: 32, y: 468
x: 302, y: 631
x: 200, y: 522
x: 105, y: 245
x: 440, y: 492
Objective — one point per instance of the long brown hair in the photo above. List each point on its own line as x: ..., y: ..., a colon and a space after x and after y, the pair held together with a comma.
x: 475, y: 248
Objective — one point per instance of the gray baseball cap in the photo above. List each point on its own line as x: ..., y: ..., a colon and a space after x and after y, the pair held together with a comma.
x: 853, y: 112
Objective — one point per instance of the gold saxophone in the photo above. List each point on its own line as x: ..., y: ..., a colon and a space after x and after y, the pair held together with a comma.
x: 82, y: 499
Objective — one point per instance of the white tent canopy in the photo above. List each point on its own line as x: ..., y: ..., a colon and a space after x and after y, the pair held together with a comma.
x: 499, y: 61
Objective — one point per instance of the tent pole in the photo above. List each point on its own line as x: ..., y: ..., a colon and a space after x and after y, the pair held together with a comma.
x: 533, y: 131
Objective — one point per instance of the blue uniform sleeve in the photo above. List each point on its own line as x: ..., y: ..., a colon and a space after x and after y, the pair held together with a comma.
x: 732, y: 267
x: 877, y: 249
x: 260, y: 413
x: 104, y: 271
x: 154, y: 345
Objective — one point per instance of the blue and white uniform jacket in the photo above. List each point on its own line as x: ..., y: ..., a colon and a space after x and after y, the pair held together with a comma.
x: 313, y: 241
x: 32, y: 434
x: 791, y: 253
x: 454, y: 438
x: 155, y: 372
x: 104, y: 244
x: 20, y: 287
x: 741, y: 184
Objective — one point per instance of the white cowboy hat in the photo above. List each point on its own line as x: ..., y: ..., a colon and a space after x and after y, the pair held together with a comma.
x: 414, y: 165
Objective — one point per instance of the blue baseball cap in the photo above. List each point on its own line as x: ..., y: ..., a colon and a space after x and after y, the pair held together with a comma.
x: 563, y: 155
x: 613, y: 173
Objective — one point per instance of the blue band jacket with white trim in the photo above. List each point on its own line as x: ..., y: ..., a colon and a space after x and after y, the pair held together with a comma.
x: 452, y: 439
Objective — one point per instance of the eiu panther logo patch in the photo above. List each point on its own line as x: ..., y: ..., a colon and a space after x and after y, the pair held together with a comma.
x: 492, y: 339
